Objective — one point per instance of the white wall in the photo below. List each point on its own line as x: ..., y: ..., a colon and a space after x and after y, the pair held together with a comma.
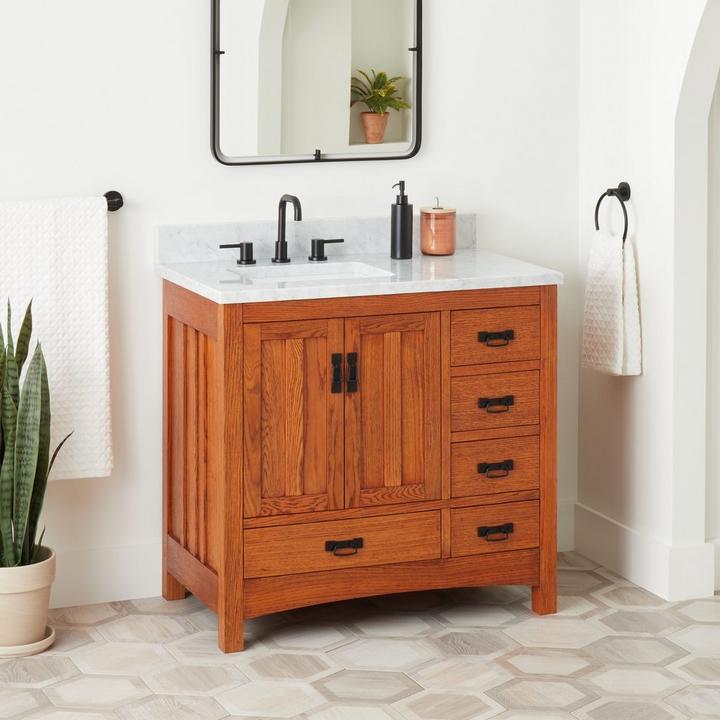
x: 637, y: 505
x: 713, y: 430
x: 96, y: 98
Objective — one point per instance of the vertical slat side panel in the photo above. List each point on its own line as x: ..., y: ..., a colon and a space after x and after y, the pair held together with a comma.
x: 294, y: 445
x: 445, y: 443
x: 190, y: 430
x: 335, y: 430
x: 273, y: 418
x: 214, y: 467
x: 392, y: 410
x: 412, y: 387
x: 202, y: 374
x: 353, y: 427
x: 177, y: 434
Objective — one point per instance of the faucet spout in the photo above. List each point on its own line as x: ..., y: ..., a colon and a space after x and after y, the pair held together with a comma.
x: 281, y: 244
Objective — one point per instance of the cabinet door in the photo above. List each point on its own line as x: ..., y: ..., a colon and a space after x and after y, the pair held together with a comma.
x: 293, y: 435
x: 392, y: 418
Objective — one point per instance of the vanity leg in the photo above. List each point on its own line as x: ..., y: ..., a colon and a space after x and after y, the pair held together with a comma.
x: 544, y: 597
x: 172, y: 589
x: 230, y: 628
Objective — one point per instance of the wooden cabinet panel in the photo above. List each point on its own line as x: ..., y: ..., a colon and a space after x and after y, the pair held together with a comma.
x: 392, y: 421
x: 495, y: 528
x: 342, y: 544
x: 492, y: 401
x: 495, y: 466
x: 293, y: 421
x: 495, y: 335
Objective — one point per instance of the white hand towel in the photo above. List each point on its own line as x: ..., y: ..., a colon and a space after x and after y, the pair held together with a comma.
x: 55, y: 252
x: 612, y: 340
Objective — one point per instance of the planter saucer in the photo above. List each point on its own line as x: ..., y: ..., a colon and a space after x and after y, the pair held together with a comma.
x: 32, y: 648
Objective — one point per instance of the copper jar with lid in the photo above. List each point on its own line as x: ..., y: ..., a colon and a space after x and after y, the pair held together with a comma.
x: 437, y: 230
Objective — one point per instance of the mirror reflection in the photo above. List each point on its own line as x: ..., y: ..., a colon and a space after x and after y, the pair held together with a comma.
x: 300, y: 76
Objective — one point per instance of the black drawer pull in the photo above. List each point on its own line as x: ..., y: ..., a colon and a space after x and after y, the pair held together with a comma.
x: 341, y: 547
x: 337, y: 377
x: 497, y: 405
x: 496, y: 339
x: 352, y: 378
x: 496, y: 470
x: 496, y: 533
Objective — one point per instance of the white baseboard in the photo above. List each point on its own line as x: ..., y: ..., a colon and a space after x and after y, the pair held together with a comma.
x: 566, y: 525
x: 102, y: 575
x: 674, y: 573
x: 716, y: 544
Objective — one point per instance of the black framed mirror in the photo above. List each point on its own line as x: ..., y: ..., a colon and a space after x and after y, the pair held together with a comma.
x: 316, y: 80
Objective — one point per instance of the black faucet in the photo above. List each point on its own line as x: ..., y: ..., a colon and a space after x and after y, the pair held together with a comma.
x: 281, y: 244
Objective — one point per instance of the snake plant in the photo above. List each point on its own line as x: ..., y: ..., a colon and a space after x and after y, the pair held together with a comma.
x: 25, y: 461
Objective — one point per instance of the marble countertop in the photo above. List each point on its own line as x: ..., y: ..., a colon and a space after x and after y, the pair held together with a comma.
x: 225, y: 282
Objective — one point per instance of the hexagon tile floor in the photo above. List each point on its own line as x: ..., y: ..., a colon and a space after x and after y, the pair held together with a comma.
x: 613, y: 652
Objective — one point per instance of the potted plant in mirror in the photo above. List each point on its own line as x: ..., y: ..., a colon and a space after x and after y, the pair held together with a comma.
x: 27, y: 567
x: 379, y: 94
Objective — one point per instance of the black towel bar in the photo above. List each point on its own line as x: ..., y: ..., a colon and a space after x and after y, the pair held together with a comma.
x: 622, y: 193
x: 114, y: 200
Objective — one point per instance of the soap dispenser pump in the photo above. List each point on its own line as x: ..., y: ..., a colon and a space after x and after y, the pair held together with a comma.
x: 401, y: 237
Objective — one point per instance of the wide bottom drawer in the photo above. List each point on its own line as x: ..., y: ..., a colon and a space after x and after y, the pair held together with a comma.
x: 495, y: 528
x: 288, y: 550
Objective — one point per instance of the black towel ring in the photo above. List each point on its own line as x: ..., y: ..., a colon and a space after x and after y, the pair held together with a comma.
x: 622, y: 193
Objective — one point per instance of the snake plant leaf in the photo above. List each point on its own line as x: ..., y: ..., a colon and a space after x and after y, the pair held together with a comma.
x: 27, y: 444
x: 13, y: 376
x: 43, y: 459
x: 8, y: 417
x: 57, y: 450
x: 23, y: 341
x: 37, y: 548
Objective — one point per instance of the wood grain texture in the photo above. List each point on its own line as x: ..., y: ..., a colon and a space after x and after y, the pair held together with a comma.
x: 293, y: 452
x: 349, y: 307
x: 227, y: 444
x: 523, y: 321
x: 525, y: 517
x: 172, y: 589
x: 466, y: 391
x: 190, y: 309
x: 301, y: 548
x: 275, y: 594
x: 525, y: 474
x: 494, y: 368
x: 544, y: 595
x: 495, y: 433
x: 193, y: 574
x: 392, y: 424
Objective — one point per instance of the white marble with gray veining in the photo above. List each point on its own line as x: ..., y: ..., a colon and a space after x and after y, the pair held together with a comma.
x: 189, y: 257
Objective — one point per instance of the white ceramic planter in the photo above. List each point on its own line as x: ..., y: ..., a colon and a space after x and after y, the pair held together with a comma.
x: 24, y: 601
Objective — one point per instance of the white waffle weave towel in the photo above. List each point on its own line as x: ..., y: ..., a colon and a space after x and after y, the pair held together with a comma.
x: 56, y: 252
x: 612, y: 341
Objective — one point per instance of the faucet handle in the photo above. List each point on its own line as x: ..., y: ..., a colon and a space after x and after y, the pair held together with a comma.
x: 318, y: 248
x: 246, y: 252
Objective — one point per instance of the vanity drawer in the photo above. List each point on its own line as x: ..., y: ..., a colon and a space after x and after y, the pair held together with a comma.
x: 495, y: 466
x: 291, y: 549
x: 493, y: 401
x: 495, y: 335
x: 495, y: 528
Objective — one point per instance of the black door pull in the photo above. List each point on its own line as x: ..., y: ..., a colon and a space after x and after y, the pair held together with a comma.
x: 352, y: 378
x: 337, y: 377
x: 343, y: 548
x: 497, y: 405
x: 496, y: 533
x: 496, y: 339
x: 496, y: 470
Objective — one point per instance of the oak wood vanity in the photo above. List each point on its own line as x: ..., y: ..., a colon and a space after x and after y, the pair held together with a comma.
x: 324, y: 449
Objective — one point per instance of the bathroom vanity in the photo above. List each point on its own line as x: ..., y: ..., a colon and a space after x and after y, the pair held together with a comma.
x: 357, y: 428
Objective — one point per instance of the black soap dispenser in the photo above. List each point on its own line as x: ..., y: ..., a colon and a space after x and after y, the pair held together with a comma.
x: 401, y: 238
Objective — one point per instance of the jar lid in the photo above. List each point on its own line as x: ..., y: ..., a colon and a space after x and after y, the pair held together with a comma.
x: 438, y: 210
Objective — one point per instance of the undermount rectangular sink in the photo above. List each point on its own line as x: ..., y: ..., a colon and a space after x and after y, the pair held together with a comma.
x: 299, y: 274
